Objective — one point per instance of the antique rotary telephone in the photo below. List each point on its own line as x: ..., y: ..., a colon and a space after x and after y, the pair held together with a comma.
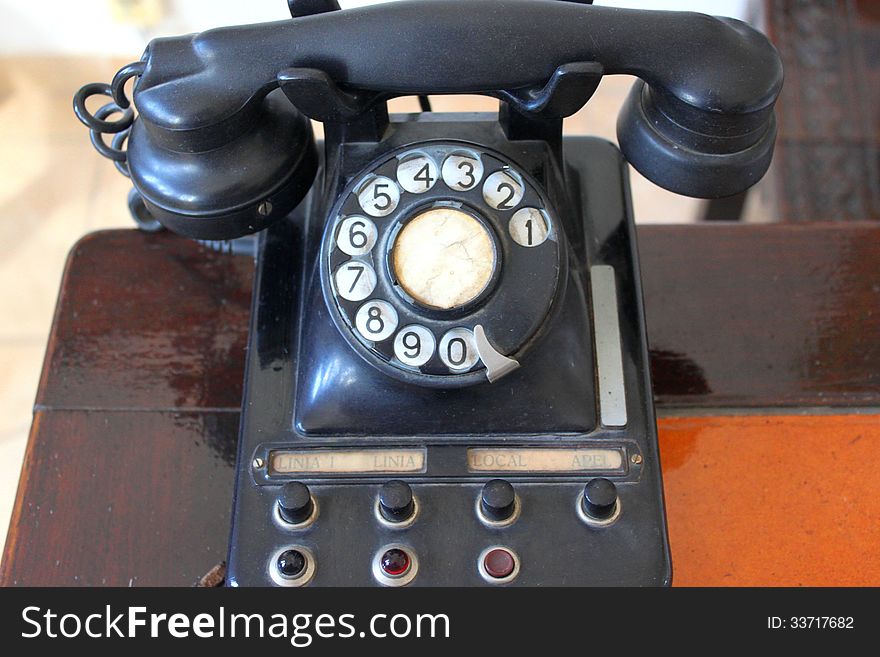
x: 447, y: 377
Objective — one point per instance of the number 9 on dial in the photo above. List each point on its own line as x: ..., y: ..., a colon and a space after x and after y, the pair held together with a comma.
x: 414, y: 345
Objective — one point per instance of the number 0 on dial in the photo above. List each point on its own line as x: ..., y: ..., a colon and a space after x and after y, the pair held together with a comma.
x: 458, y: 350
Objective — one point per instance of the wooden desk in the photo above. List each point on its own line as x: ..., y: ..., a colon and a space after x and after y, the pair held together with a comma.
x: 765, y: 344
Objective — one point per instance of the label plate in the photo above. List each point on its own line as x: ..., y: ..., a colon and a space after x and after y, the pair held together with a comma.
x: 347, y: 461
x: 551, y: 459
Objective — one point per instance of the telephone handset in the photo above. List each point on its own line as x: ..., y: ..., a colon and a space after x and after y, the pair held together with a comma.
x: 447, y: 377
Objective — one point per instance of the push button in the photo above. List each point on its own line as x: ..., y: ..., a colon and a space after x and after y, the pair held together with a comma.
x: 498, y: 504
x: 600, y: 498
x: 599, y: 503
x: 295, y: 504
x: 498, y: 565
x: 396, y: 501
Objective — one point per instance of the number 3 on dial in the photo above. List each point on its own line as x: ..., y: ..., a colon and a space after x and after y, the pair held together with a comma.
x: 462, y: 172
x: 414, y: 345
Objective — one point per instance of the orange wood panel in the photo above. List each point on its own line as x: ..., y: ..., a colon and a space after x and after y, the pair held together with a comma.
x: 773, y: 500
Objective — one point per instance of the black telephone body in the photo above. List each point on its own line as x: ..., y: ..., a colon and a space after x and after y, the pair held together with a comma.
x: 447, y: 373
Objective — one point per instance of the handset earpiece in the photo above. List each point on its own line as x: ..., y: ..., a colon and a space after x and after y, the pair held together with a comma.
x: 718, y: 144
x: 235, y: 183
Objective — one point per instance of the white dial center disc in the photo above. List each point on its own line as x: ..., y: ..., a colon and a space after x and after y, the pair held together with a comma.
x: 444, y: 258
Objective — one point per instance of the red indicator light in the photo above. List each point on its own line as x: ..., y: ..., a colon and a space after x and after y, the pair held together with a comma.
x: 395, y: 562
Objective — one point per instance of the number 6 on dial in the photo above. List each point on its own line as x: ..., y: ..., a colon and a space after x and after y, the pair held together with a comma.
x: 356, y: 236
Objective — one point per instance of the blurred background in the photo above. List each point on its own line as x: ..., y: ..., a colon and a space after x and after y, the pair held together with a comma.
x: 55, y: 188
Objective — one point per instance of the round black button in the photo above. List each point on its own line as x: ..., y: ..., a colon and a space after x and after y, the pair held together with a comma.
x: 295, y: 502
x: 498, y: 500
x: 291, y: 563
x: 600, y: 498
x: 396, y: 501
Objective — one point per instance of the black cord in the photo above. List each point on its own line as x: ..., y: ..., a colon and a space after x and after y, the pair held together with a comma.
x: 425, y: 103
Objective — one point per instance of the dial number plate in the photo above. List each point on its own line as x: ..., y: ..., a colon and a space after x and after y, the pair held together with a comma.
x: 414, y: 345
x: 376, y: 320
x: 355, y: 280
x: 409, y: 236
x: 379, y: 196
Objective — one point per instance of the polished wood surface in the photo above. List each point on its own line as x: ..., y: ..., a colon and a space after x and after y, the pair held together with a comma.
x: 128, y: 474
x: 772, y: 500
x: 763, y: 315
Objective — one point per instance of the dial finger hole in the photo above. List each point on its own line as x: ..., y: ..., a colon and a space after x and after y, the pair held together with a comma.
x: 355, y: 280
x: 458, y: 350
x: 357, y: 235
x: 528, y: 227
x: 376, y: 320
x: 503, y: 190
x: 417, y: 173
x: 462, y: 172
x: 414, y: 345
x: 379, y: 196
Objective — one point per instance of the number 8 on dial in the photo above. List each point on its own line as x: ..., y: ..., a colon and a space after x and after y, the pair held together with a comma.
x: 376, y: 320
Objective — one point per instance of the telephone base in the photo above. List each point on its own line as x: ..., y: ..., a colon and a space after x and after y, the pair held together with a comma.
x: 578, y: 411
